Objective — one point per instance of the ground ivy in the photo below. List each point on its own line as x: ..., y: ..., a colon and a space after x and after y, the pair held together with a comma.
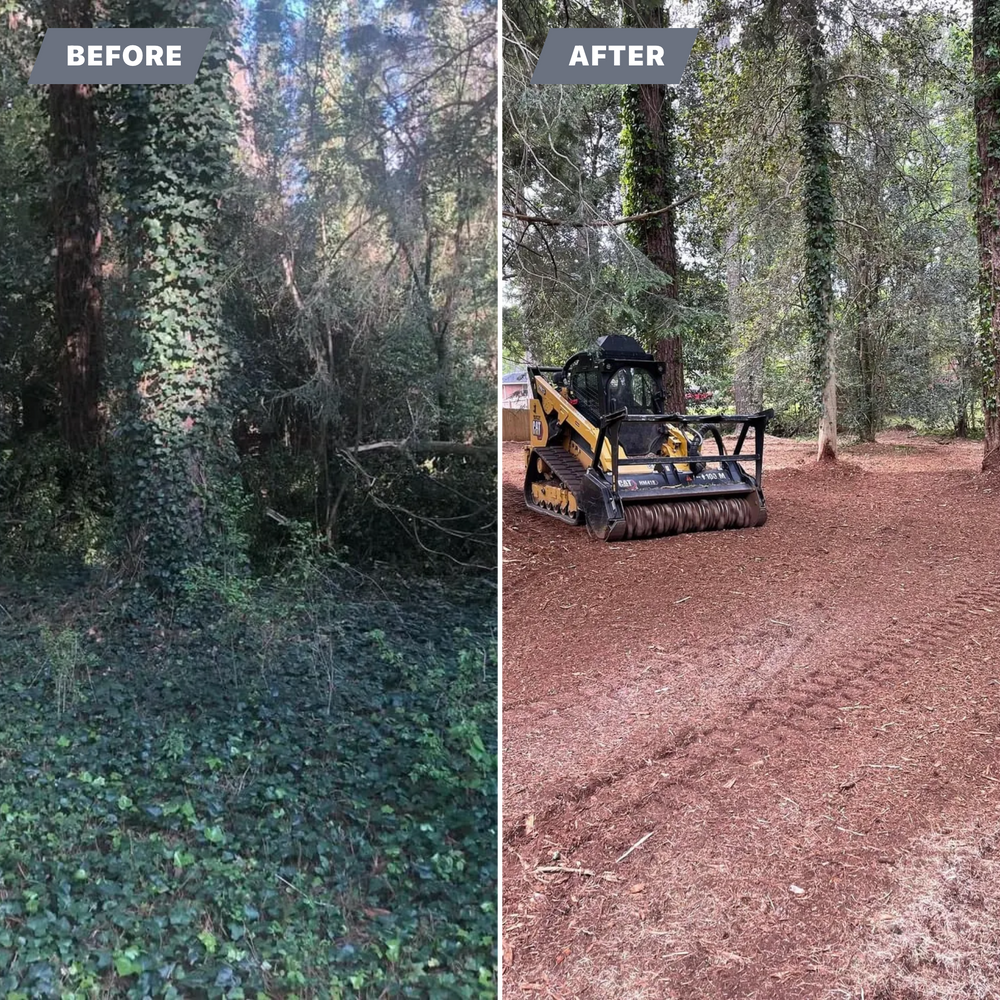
x: 202, y: 822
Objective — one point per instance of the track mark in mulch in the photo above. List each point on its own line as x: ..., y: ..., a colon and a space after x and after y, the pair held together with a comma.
x: 786, y: 711
x: 801, y: 730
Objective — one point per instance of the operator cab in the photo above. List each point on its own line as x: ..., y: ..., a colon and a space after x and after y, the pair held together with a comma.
x: 619, y: 375
x: 635, y: 389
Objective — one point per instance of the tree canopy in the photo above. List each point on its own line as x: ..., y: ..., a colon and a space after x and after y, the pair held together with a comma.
x: 263, y: 302
x: 822, y: 200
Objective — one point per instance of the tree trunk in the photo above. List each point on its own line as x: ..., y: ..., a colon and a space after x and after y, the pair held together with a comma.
x: 734, y: 274
x: 76, y: 220
x: 962, y: 427
x: 867, y: 354
x: 986, y: 71
x: 748, y: 349
x: 818, y: 209
x: 668, y: 350
x: 442, y: 351
x: 649, y: 183
x: 177, y: 492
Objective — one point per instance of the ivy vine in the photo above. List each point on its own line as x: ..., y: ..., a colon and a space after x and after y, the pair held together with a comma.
x: 175, y: 454
x: 816, y: 148
x: 986, y: 169
x: 648, y: 173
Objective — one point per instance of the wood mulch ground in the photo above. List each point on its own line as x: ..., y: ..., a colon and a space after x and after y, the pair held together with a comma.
x: 801, y: 720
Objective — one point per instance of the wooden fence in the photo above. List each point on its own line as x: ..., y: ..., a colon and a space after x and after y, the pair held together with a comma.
x: 515, y: 425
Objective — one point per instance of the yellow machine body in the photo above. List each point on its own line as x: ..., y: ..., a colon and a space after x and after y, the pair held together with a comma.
x: 601, y: 451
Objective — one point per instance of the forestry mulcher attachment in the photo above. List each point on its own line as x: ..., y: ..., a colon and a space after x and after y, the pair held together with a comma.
x: 603, y: 451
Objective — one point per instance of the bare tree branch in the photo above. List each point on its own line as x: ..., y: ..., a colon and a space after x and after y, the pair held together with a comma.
x: 542, y: 220
x: 428, y: 448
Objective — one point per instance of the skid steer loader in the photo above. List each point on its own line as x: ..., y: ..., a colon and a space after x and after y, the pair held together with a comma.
x: 603, y: 452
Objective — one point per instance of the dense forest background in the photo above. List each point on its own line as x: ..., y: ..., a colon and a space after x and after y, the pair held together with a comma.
x: 248, y: 657
x: 820, y: 162
x: 259, y: 309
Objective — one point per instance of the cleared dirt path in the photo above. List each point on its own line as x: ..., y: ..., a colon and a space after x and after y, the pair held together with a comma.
x: 804, y: 717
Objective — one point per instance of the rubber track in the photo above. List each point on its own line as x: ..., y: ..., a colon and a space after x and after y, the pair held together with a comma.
x: 565, y: 466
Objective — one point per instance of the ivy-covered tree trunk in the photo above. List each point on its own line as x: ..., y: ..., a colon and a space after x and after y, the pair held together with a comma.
x: 175, y: 462
x: 76, y: 223
x: 817, y: 197
x: 986, y: 70
x: 649, y: 185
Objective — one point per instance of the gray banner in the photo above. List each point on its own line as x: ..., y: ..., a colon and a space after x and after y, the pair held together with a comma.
x: 120, y: 55
x: 614, y: 55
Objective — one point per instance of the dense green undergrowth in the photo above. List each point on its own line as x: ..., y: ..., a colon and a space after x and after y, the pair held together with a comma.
x: 276, y: 799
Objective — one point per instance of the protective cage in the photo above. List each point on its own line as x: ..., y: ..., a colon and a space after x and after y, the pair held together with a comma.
x: 645, y: 495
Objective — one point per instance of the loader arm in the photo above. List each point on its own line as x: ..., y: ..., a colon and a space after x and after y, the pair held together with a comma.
x: 551, y: 402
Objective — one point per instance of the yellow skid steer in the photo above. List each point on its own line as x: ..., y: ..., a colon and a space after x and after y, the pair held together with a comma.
x: 603, y: 452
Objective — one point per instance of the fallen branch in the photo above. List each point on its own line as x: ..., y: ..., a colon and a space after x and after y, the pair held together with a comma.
x: 564, y: 868
x: 409, y: 519
x: 427, y: 448
x: 638, y: 843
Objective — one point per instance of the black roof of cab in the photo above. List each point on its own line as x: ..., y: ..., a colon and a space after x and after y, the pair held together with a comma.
x: 618, y: 346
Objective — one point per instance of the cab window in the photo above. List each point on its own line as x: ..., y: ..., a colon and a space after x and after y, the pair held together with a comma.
x: 633, y: 388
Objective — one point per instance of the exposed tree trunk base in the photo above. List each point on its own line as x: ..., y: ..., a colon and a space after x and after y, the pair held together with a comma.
x: 827, y: 450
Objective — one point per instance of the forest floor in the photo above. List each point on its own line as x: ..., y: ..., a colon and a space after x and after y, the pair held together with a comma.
x: 283, y: 793
x: 802, y: 721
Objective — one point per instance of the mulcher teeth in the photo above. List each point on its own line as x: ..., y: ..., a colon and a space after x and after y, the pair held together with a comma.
x: 652, y: 519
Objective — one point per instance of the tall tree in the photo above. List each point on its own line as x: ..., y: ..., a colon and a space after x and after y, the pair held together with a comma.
x: 906, y: 247
x: 175, y: 441
x: 737, y: 136
x: 649, y: 183
x: 76, y: 221
x: 986, y: 74
x: 818, y: 209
